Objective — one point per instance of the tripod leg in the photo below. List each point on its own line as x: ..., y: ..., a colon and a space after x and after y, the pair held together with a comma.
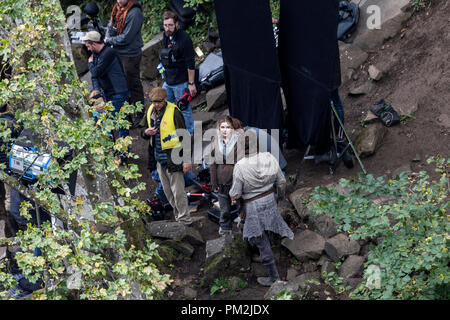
x: 348, y: 139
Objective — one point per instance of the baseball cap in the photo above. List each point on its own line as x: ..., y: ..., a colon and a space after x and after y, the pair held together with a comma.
x: 91, y: 36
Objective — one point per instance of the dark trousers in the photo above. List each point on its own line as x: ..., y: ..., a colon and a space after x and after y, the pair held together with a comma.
x: 132, y: 68
x: 225, y: 221
x: 265, y: 250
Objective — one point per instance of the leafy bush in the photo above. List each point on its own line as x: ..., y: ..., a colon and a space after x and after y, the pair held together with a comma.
x: 407, y: 218
x: 101, y: 251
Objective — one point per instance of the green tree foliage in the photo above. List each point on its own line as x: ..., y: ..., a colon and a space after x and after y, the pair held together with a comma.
x: 408, y: 218
x: 95, y: 255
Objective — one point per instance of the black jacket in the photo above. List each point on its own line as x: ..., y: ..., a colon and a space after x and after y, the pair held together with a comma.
x: 129, y: 43
x: 107, y: 72
x: 179, y: 122
x: 183, y: 57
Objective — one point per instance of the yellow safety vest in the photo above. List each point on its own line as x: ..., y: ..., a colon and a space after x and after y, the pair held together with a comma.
x: 169, y: 138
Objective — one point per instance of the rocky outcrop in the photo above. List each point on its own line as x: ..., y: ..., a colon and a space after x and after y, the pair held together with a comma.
x: 299, y: 199
x: 370, y: 138
x: 176, y: 231
x: 226, y: 257
x: 306, y: 245
x: 341, y: 246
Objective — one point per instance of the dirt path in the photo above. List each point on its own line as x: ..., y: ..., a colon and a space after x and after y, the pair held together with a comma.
x: 417, y: 64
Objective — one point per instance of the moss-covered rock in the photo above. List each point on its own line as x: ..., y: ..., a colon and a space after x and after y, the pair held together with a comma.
x: 233, y: 260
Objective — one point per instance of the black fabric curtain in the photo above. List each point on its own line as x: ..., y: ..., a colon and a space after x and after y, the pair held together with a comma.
x: 310, y: 69
x: 250, y: 59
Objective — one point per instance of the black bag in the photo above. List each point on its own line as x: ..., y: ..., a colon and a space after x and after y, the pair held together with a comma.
x: 211, y: 73
x: 348, y: 19
x: 385, y: 113
x: 166, y: 56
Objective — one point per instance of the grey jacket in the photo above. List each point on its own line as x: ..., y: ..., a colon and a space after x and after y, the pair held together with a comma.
x: 129, y: 43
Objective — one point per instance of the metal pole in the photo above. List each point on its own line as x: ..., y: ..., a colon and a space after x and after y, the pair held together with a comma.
x: 348, y: 138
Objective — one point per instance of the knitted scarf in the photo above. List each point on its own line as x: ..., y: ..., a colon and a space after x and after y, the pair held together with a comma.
x: 119, y: 14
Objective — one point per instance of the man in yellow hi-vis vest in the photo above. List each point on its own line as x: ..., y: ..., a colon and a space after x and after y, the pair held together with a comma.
x: 163, y: 119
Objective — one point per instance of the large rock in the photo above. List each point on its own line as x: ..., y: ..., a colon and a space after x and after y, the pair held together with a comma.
x: 306, y: 245
x: 215, y: 247
x: 216, y: 98
x: 2, y: 235
x: 298, y: 198
x: 370, y: 138
x: 150, y: 57
x: 340, y: 246
x: 80, y: 57
x: 232, y: 260
x: 352, y: 267
x: 324, y: 225
x: 392, y: 16
x: 176, y: 231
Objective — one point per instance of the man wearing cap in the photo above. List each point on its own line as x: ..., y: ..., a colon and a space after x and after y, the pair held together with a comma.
x: 163, y: 119
x: 124, y: 35
x: 178, y: 59
x: 107, y: 73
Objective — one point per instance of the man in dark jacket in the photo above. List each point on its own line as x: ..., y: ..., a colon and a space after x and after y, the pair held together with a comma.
x: 163, y: 119
x: 178, y: 60
x: 107, y: 73
x: 124, y: 34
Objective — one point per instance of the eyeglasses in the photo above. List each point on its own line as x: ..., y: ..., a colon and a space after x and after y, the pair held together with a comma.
x: 157, y: 101
x: 166, y: 25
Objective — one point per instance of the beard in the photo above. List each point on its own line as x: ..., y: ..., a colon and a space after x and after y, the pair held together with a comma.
x: 170, y: 33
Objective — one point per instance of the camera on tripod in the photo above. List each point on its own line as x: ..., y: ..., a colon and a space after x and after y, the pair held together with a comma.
x: 89, y: 21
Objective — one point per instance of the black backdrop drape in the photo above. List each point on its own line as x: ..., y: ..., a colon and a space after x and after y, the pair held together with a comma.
x: 308, y: 65
x: 309, y: 61
x: 250, y: 61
